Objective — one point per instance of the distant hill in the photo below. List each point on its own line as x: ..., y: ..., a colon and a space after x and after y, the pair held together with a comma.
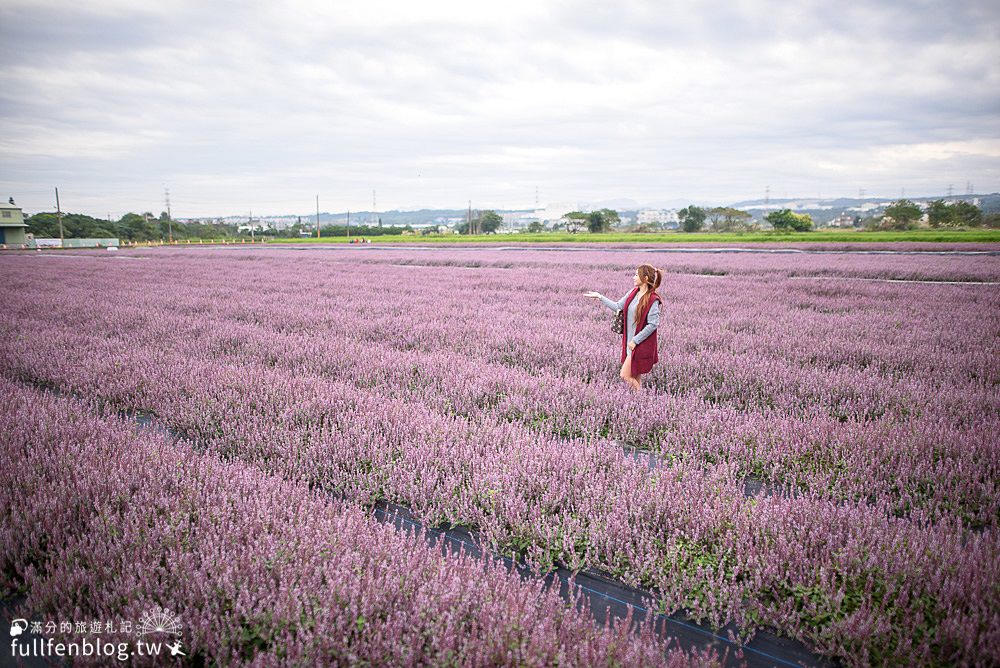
x: 852, y: 202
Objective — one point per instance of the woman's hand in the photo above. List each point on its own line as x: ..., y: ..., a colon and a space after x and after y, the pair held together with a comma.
x: 631, y: 345
x: 595, y: 295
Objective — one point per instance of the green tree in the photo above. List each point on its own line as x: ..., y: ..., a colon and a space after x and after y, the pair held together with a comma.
x: 692, y: 218
x: 714, y: 216
x: 737, y: 219
x: 901, y: 215
x: 967, y: 214
x: 535, y: 226
x: 728, y: 219
x: 780, y: 219
x: 574, y: 221
x: 489, y: 222
x: 74, y: 225
x: 803, y: 222
x: 134, y: 227
x: 939, y: 214
x: 612, y: 217
x: 602, y: 220
x: 786, y: 219
x: 45, y: 225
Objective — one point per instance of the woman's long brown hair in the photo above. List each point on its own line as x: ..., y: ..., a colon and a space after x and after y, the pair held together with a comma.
x: 651, y: 276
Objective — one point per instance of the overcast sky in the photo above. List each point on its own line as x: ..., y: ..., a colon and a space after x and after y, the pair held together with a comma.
x: 433, y: 104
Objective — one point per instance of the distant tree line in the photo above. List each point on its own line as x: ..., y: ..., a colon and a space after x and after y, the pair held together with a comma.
x: 595, y: 222
x: 900, y: 215
x: 341, y: 230
x: 904, y: 214
x: 484, y: 222
x: 957, y: 214
x: 728, y: 219
x: 130, y: 227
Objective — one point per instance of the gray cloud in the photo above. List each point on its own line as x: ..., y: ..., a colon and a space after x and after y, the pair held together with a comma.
x: 433, y: 105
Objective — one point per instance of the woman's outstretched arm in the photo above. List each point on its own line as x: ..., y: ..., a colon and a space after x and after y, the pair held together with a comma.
x: 652, y: 322
x: 614, y: 306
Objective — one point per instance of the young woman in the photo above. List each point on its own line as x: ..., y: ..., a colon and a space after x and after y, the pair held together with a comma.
x: 642, y: 306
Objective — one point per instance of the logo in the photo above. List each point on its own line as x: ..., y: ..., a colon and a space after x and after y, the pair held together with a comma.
x: 159, y: 620
x: 157, y: 629
x: 18, y: 626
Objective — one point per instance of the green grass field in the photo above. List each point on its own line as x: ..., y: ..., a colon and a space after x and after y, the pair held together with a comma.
x: 827, y: 236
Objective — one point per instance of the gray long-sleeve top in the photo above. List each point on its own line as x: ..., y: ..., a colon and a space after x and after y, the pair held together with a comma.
x: 652, y: 318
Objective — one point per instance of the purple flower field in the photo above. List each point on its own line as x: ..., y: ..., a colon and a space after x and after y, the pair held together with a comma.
x: 479, y: 388
x: 263, y: 572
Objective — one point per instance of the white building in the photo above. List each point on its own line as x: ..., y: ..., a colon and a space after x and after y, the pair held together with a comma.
x: 518, y: 220
x: 656, y: 216
x: 843, y: 220
x: 552, y: 213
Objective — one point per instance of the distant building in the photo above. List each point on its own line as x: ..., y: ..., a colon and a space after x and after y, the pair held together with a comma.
x: 517, y: 220
x: 12, y: 225
x: 843, y: 220
x: 554, y: 212
x: 656, y: 216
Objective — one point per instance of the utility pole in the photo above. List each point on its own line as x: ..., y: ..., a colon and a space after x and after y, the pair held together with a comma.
x: 951, y: 189
x: 317, y: 216
x: 170, y: 223
x: 348, y: 224
x: 59, y: 216
x: 537, y: 206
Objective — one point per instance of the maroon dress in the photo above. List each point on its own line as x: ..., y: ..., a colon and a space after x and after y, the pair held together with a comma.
x: 645, y: 354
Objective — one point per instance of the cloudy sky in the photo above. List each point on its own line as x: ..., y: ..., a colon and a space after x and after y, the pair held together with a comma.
x: 236, y: 107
